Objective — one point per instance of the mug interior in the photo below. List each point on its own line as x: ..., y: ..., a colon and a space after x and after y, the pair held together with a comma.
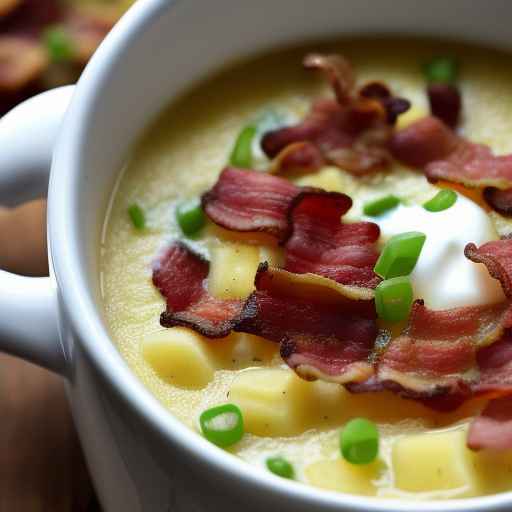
x: 157, y: 51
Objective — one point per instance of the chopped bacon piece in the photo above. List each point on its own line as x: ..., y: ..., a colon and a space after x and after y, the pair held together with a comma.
x: 21, y: 62
x: 322, y: 335
x: 321, y: 244
x: 493, y: 428
x: 429, y: 144
x: 425, y: 141
x: 326, y: 330
x: 500, y: 200
x: 436, y: 354
x: 306, y: 221
x: 297, y: 157
x: 393, y: 106
x: 445, y: 103
x: 473, y: 165
x: 495, y: 365
x: 497, y: 257
x: 339, y: 72
x: 243, y: 200
x: 180, y: 274
x: 352, y: 132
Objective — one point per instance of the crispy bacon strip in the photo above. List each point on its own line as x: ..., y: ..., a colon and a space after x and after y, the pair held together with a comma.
x: 306, y: 221
x: 180, y: 274
x: 495, y: 365
x: 352, y: 132
x: 499, y: 200
x: 339, y: 72
x: 436, y: 354
x: 321, y: 244
x: 497, y: 257
x: 243, y: 200
x: 493, y: 428
x: 302, y: 157
x: 326, y: 330
x: 425, y: 141
x: 429, y: 144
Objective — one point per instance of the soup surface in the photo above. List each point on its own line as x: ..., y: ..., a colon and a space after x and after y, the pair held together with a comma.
x: 423, y: 453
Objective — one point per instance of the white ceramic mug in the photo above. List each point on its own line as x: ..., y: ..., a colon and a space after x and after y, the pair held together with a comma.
x: 141, y: 458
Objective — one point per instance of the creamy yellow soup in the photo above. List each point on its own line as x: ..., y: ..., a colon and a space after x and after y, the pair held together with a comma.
x: 422, y: 454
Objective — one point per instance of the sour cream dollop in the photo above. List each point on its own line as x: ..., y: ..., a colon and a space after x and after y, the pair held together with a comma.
x: 443, y: 276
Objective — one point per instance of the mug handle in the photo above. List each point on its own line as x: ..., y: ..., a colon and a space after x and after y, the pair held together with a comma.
x: 28, y: 305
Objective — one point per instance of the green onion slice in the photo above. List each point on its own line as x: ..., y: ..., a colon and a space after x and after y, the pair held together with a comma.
x: 359, y: 441
x: 379, y: 206
x: 441, y: 70
x: 281, y: 467
x: 137, y: 216
x: 393, y: 299
x: 59, y: 44
x: 400, y: 255
x: 190, y: 216
x: 443, y: 200
x: 241, y: 156
x: 222, y: 425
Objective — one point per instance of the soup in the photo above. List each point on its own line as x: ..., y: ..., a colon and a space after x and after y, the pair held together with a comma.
x: 410, y: 434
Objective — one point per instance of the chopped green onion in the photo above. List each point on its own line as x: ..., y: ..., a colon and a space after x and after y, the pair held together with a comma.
x: 222, y: 425
x: 379, y: 206
x: 393, y: 299
x: 359, y: 441
x: 441, y: 70
x: 443, y: 200
x: 400, y: 255
x: 241, y: 156
x: 137, y: 216
x: 281, y: 467
x: 59, y: 44
x: 190, y: 216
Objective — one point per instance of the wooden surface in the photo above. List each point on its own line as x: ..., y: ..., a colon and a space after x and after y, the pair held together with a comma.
x: 41, y: 465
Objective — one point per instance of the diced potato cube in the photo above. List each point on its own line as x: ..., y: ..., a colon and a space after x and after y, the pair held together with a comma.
x: 266, y: 399
x: 413, y: 114
x: 275, y: 402
x: 494, y: 470
x: 339, y: 475
x: 329, y: 178
x: 232, y: 270
x: 180, y: 357
x: 434, y: 462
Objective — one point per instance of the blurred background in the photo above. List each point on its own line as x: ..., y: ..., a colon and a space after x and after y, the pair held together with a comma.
x: 43, y: 44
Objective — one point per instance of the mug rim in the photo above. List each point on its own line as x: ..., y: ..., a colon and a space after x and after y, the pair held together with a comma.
x: 98, y: 345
